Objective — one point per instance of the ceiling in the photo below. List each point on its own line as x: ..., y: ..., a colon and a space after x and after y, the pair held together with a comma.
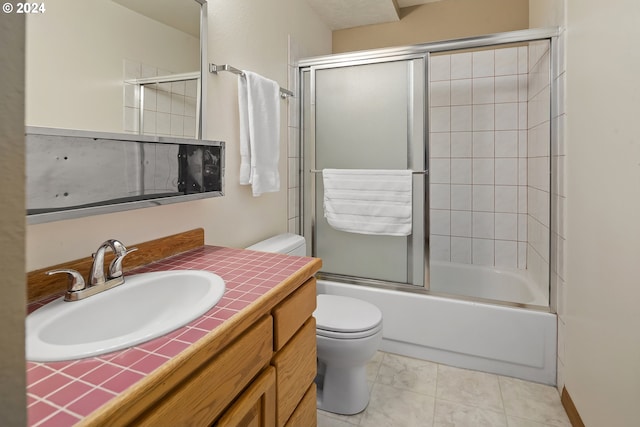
x: 341, y: 14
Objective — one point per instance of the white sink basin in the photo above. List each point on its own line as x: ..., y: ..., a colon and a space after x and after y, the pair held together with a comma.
x: 146, y: 306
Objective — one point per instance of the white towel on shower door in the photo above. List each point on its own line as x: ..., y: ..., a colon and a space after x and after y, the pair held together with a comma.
x: 259, y: 105
x: 368, y: 201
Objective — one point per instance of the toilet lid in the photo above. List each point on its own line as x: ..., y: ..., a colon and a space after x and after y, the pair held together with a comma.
x: 344, y: 314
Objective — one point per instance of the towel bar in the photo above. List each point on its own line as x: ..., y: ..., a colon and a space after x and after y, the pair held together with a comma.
x: 213, y: 68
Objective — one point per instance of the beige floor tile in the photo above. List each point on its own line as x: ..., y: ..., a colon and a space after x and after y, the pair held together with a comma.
x: 373, y: 366
x: 408, y: 374
x: 393, y: 407
x: 532, y: 401
x: 325, y: 420
x: 521, y: 422
x: 471, y: 388
x: 451, y: 414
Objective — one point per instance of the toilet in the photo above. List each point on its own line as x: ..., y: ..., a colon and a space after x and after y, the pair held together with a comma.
x: 348, y: 334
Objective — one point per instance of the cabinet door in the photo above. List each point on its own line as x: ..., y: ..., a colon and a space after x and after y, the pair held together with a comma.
x: 256, y: 407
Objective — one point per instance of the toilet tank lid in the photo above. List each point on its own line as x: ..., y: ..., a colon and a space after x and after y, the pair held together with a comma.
x: 282, y: 243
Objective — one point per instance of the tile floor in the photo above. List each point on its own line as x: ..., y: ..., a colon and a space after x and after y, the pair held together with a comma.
x: 407, y: 392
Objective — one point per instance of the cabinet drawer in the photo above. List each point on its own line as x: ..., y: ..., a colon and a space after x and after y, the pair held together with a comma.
x: 256, y: 407
x: 291, y: 314
x: 306, y: 414
x: 202, y: 397
x: 295, y: 370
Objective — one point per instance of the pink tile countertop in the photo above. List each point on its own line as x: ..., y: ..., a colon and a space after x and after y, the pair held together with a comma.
x: 63, y: 393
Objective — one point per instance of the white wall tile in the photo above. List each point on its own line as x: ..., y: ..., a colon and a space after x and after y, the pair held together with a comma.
x: 523, y: 63
x: 506, y: 116
x: 483, y: 225
x: 461, y: 66
x: 163, y: 123
x: 461, y: 144
x: 506, y: 143
x: 191, y: 88
x: 177, y: 125
x: 177, y: 104
x: 523, y: 85
x: 178, y: 88
x: 293, y: 179
x: 150, y: 97
x: 440, y: 67
x: 483, y: 144
x: 440, y: 248
x: 440, y: 171
x: 293, y: 142
x: 440, y: 144
x: 461, y: 197
x: 506, y: 254
x: 131, y: 96
x: 483, y: 117
x: 522, y: 255
x: 440, y: 119
x: 461, y: 93
x: 483, y: 198
x: 523, y: 219
x: 149, y: 123
x: 440, y: 93
x: 483, y: 90
x: 506, y: 61
x: 461, y: 171
x: 506, y: 227
x: 190, y: 130
x: 482, y: 252
x: 483, y: 63
x: 483, y: 171
x: 163, y: 101
x: 189, y: 106
x: 440, y: 222
x: 461, y: 250
x: 131, y: 119
x: 506, y: 171
x: 506, y: 198
x: 506, y: 88
x: 461, y: 223
x: 522, y: 199
x: 131, y: 69
x: 440, y: 196
x: 461, y: 118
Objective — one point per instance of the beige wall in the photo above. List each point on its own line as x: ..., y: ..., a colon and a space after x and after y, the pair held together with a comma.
x: 443, y: 20
x: 246, y: 34
x: 603, y: 161
x: 12, y: 292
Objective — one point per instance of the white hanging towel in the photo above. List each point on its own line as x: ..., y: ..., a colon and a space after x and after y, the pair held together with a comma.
x: 368, y: 201
x: 259, y: 104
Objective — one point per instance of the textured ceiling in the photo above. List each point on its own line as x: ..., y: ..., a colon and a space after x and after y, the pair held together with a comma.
x: 341, y: 14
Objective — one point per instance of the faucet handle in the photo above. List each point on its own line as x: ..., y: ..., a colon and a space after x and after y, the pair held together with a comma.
x: 115, y: 268
x: 76, y: 281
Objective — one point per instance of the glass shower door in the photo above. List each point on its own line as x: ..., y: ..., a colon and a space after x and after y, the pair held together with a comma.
x: 366, y: 116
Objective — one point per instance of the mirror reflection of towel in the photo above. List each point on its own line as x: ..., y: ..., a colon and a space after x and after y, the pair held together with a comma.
x: 259, y: 105
x: 368, y: 201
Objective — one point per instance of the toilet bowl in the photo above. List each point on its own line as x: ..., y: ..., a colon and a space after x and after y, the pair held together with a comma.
x: 348, y: 333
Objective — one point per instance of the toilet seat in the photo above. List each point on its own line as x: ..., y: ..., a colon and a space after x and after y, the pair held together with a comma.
x: 342, y: 317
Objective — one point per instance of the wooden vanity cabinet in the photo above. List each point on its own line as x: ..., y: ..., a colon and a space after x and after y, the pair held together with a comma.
x: 263, y: 378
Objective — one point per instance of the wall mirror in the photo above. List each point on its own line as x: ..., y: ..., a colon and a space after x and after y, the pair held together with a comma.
x: 116, y: 66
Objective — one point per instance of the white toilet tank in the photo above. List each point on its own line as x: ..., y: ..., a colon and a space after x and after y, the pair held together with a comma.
x: 286, y: 243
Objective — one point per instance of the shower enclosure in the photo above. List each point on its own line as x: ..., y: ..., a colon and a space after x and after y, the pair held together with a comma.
x: 472, y: 119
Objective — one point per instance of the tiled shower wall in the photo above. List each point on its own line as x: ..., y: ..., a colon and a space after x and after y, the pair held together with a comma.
x: 478, y: 157
x: 538, y: 164
x: 169, y: 108
x: 293, y: 151
x: 490, y: 158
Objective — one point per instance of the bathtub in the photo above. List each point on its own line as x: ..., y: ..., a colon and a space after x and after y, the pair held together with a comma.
x: 492, y: 283
x: 506, y: 340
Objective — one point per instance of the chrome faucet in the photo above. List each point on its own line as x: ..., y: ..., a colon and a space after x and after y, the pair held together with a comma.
x: 98, y: 281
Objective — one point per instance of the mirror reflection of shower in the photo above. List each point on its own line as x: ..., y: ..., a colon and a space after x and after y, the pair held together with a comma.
x: 485, y: 139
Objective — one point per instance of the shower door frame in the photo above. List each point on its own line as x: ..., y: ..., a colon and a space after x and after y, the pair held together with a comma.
x: 412, y: 52
x: 416, y: 266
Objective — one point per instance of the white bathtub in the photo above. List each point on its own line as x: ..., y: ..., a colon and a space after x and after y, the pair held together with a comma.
x: 511, y: 341
x: 498, y: 284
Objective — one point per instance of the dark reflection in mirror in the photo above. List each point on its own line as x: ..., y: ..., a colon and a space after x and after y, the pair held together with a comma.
x: 75, y: 172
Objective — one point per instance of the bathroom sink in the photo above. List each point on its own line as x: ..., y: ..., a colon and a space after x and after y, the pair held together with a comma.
x: 146, y: 306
